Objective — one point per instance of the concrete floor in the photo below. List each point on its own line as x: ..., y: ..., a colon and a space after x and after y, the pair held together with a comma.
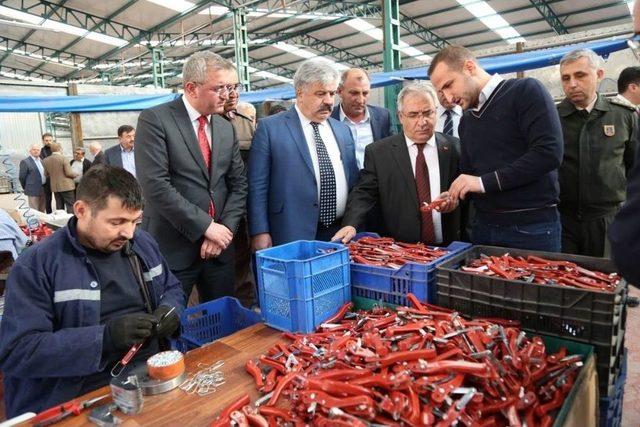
x: 631, y: 403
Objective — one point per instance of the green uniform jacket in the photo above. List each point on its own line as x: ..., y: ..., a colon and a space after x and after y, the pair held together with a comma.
x: 599, y: 150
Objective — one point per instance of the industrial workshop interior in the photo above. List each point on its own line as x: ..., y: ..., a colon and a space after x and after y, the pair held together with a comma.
x: 270, y: 213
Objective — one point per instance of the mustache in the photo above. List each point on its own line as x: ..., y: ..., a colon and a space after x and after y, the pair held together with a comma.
x: 325, y: 107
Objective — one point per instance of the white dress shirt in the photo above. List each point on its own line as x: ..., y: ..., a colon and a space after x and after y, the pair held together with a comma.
x: 77, y: 167
x: 193, y: 116
x: 40, y: 169
x: 488, y: 89
x: 456, y: 115
x: 430, y: 151
x: 361, y: 132
x: 329, y: 139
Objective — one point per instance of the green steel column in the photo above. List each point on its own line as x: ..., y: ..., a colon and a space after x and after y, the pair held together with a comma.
x: 157, y: 55
x: 391, y: 54
x: 241, y: 47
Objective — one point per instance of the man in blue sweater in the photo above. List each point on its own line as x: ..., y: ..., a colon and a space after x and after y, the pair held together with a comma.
x: 511, y: 147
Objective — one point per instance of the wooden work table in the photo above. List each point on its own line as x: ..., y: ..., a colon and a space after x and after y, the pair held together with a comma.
x: 177, y: 408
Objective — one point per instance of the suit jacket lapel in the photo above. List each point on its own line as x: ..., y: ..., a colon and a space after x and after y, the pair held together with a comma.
x: 216, y: 142
x: 401, y: 156
x: 375, y: 128
x: 295, y: 127
x: 444, y: 160
x: 181, y: 118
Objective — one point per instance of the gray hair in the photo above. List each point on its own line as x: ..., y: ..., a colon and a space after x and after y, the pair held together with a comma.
x: 95, y: 145
x: 416, y: 88
x: 347, y: 72
x: 315, y: 70
x: 595, y: 61
x: 38, y: 146
x: 246, y: 108
x: 82, y: 150
x: 197, y: 65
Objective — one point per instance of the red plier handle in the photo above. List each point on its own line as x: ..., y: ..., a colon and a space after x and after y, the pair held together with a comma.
x: 57, y: 412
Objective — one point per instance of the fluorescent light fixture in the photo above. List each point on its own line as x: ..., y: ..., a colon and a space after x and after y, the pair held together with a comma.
x: 376, y: 33
x: 25, y: 54
x: 177, y: 5
x: 59, y: 26
x: 492, y: 20
x: 22, y: 77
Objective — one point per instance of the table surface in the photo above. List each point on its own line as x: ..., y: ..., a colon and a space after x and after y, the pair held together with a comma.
x: 175, y: 406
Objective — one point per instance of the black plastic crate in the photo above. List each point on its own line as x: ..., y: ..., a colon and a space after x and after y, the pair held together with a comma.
x: 609, y: 370
x: 583, y: 315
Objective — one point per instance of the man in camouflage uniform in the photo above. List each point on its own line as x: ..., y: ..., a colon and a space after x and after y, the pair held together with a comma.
x: 599, y: 149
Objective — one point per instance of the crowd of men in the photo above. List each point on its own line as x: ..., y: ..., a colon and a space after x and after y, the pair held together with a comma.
x: 45, y: 170
x: 509, y: 166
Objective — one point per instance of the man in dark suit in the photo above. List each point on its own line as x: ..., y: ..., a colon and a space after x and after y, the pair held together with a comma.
x: 45, y: 152
x: 32, y: 178
x: 192, y: 177
x: 95, y: 148
x: 403, y: 172
x: 123, y: 154
x: 301, y: 164
x: 367, y: 123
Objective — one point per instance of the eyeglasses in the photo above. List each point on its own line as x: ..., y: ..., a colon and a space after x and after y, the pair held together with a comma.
x: 237, y: 88
x: 413, y: 115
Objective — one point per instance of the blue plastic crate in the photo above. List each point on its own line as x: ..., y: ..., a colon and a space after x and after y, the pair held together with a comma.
x: 302, y: 283
x: 212, y: 320
x: 392, y: 285
x: 611, y: 406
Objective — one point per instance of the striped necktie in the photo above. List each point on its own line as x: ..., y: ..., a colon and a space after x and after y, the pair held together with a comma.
x: 448, y: 123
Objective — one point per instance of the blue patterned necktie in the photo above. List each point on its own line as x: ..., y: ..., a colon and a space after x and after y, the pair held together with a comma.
x: 448, y: 123
x: 328, y: 205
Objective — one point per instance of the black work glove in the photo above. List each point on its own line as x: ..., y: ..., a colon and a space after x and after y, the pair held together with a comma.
x: 167, y: 326
x: 124, y: 331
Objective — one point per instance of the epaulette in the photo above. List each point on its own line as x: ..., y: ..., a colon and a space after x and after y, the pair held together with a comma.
x: 620, y: 103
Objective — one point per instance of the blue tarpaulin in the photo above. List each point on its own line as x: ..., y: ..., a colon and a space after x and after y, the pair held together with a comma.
x: 93, y: 103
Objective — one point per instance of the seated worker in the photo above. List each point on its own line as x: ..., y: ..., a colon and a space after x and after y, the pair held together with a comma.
x: 76, y: 302
x: 402, y: 172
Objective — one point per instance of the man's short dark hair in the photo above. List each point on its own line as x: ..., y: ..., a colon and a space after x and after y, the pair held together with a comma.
x: 124, y: 129
x: 44, y: 135
x: 453, y: 56
x: 628, y: 76
x: 276, y: 108
x: 102, y: 181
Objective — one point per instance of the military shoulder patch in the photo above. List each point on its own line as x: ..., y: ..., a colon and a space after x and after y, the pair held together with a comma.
x: 609, y: 130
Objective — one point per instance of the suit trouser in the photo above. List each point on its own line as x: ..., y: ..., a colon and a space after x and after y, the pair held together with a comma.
x: 326, y: 233
x: 586, y: 237
x: 47, y: 196
x: 37, y: 202
x: 66, y: 199
x: 214, y: 278
x: 245, y: 288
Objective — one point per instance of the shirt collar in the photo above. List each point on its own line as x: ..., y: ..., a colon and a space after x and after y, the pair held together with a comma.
x: 192, y: 112
x: 35, y: 159
x: 488, y: 89
x: 344, y: 117
x: 591, y: 104
x: 132, y: 148
x: 305, y: 120
x: 431, y: 141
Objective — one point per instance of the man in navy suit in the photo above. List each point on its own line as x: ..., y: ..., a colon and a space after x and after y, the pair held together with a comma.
x: 366, y: 122
x: 123, y: 154
x: 32, y: 178
x: 301, y: 164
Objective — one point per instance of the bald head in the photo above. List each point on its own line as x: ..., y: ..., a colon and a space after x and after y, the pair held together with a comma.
x: 34, y: 150
x: 354, y: 90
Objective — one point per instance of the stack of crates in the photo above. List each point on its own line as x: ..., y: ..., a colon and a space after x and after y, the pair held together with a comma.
x: 590, y: 317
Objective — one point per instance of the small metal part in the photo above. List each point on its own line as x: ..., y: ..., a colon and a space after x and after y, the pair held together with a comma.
x: 103, y: 416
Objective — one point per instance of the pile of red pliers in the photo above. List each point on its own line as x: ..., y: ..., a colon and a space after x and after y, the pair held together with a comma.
x: 386, y: 252
x: 420, y: 366
x: 539, y: 270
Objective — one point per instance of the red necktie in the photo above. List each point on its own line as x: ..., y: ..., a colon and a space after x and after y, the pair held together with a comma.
x: 206, y: 153
x: 423, y: 187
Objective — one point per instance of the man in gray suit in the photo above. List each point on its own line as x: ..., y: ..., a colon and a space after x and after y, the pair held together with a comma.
x: 32, y: 178
x: 192, y: 177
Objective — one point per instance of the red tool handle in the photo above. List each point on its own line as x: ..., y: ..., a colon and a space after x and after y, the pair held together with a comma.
x: 132, y: 352
x: 49, y: 414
